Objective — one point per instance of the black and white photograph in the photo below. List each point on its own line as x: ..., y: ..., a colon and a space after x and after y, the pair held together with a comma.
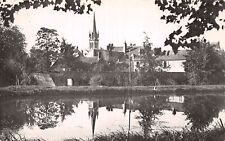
x: 112, y: 70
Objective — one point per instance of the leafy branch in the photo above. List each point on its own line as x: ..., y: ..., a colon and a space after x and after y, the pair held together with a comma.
x: 8, y: 10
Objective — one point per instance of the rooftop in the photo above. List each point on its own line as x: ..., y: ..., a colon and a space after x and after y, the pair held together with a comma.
x: 89, y: 60
x: 117, y: 49
x: 171, y: 56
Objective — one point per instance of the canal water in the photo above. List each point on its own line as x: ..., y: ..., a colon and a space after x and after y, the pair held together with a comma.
x: 60, y: 118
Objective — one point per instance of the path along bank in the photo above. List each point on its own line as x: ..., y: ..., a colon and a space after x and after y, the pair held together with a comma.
x: 103, y: 90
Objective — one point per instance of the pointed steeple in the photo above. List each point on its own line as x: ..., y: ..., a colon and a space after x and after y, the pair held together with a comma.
x: 94, y: 26
x: 94, y: 37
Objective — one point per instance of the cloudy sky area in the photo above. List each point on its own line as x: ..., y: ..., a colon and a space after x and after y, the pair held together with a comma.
x: 117, y: 21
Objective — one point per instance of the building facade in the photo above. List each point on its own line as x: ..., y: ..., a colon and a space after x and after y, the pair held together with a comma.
x: 172, y: 62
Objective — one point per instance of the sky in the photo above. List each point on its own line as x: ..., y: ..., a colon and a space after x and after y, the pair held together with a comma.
x: 117, y: 21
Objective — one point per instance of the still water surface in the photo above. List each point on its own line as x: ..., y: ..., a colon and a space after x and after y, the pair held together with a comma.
x: 59, y: 118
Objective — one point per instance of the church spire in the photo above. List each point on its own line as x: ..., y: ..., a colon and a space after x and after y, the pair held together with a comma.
x: 94, y: 37
x: 94, y: 26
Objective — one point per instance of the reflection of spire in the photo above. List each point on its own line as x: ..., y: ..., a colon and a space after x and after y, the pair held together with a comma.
x: 93, y: 114
x: 174, y: 111
x: 124, y: 108
x: 93, y: 121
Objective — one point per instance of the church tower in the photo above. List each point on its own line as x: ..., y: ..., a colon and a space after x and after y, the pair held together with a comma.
x: 94, y: 37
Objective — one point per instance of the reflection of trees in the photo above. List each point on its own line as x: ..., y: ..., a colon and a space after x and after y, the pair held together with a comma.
x: 12, y: 115
x: 201, y: 110
x: 44, y: 113
x: 66, y: 108
x: 149, y: 108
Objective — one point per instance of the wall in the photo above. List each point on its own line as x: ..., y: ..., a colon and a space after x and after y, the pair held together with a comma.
x: 115, y: 78
x: 78, y: 78
x: 83, y: 78
x: 175, y: 66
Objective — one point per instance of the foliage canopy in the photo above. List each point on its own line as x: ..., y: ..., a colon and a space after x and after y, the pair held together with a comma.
x: 70, y: 56
x: 12, y: 54
x: 8, y: 10
x: 46, y: 49
x: 149, y: 65
x: 194, y: 17
x: 198, y: 16
x: 205, y: 64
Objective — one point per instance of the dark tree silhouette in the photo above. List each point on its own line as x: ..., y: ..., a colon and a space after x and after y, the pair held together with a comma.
x: 12, y: 55
x: 7, y: 9
x: 71, y: 57
x: 198, y: 16
x: 199, y: 68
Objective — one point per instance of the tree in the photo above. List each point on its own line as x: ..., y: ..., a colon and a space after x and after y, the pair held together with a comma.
x: 67, y: 55
x: 46, y: 50
x: 149, y: 66
x: 12, y: 55
x: 101, y: 66
x: 121, y: 75
x: 196, y: 16
x: 205, y: 64
x: 70, y: 56
x: 7, y: 9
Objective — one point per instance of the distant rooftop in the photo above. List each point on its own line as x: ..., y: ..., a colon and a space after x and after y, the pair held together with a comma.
x: 117, y: 49
x: 90, y: 60
x: 171, y: 56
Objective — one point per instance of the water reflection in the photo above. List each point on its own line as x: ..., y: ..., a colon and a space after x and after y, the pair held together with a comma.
x: 93, y: 113
x: 201, y: 110
x: 44, y: 113
x: 150, y: 108
x: 82, y: 117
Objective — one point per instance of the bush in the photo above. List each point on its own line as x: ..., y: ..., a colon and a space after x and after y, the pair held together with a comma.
x: 172, y: 78
x: 96, y: 80
x: 170, y: 81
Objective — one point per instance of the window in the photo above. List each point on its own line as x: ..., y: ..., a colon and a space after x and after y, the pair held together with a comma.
x: 100, y: 55
x: 138, y: 64
x: 95, y: 53
x: 164, y: 64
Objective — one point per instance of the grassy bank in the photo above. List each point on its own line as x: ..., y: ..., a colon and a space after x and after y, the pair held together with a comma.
x: 217, y: 134
x: 93, y: 90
